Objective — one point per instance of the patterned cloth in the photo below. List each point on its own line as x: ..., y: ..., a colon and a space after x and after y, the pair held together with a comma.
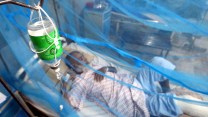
x: 118, y: 99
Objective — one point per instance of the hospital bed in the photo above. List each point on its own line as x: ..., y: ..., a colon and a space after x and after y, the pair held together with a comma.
x: 93, y: 109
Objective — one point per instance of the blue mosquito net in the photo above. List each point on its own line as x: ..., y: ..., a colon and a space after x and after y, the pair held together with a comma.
x: 128, y: 33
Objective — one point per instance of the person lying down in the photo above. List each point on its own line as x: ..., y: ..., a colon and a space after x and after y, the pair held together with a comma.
x: 116, y: 97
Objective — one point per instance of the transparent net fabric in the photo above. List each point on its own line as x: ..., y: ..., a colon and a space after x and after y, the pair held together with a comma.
x: 126, y: 34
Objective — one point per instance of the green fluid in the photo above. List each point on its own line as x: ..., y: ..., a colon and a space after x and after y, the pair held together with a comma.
x: 41, y: 43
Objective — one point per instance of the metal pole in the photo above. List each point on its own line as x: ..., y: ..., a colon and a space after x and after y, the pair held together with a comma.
x: 56, y: 14
x: 21, y: 4
x: 11, y: 93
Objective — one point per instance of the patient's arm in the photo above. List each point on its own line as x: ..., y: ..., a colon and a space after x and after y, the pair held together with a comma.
x: 99, y: 77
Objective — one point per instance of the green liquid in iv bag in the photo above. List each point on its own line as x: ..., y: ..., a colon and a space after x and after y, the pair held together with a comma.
x: 43, y: 41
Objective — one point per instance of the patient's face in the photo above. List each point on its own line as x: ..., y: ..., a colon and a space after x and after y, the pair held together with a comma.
x: 81, y: 58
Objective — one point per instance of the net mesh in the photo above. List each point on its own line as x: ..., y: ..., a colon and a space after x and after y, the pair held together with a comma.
x: 127, y: 33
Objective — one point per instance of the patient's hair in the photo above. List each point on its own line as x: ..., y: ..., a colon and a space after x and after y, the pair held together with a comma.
x: 68, y: 57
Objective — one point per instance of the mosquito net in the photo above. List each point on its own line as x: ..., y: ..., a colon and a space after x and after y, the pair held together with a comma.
x: 125, y: 33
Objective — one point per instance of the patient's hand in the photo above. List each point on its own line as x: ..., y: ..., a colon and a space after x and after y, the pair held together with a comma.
x: 99, y: 77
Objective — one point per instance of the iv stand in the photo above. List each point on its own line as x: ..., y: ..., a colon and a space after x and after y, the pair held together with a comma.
x: 21, y: 4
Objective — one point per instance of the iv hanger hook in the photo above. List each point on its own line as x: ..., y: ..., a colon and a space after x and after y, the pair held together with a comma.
x: 21, y: 4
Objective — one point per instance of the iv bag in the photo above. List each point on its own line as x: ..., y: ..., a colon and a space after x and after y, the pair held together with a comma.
x: 45, y: 39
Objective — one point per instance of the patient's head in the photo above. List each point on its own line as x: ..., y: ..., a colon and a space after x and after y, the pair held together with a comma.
x: 77, y: 60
